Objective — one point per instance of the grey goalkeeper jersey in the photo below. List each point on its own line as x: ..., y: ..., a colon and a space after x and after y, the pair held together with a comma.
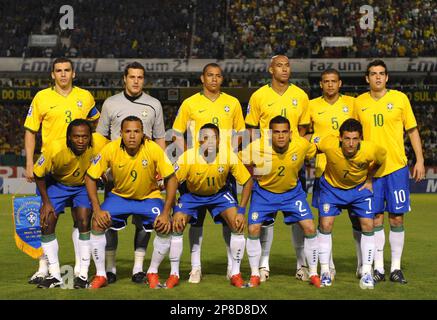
x: 120, y: 106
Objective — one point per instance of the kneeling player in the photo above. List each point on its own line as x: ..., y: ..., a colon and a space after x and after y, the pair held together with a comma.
x: 134, y: 161
x: 277, y: 188
x: 347, y: 184
x: 205, y: 170
x: 59, y: 176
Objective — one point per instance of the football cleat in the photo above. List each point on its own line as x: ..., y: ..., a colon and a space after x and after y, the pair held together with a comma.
x: 80, y: 283
x: 367, y: 282
x: 302, y: 274
x: 264, y: 274
x: 315, y: 280
x: 139, y: 277
x: 378, y: 276
x: 37, y: 277
x: 98, y: 282
x: 397, y: 276
x: 153, y: 280
x: 172, y: 281
x: 326, y: 280
x: 195, y: 275
x: 49, y: 283
x: 254, y: 281
x: 111, y: 277
x: 237, y: 280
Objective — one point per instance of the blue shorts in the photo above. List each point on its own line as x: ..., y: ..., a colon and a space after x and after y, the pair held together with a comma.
x: 190, y: 203
x: 392, y: 192
x: 316, y: 193
x: 264, y: 205
x: 121, y: 208
x: 62, y: 196
x: 332, y: 200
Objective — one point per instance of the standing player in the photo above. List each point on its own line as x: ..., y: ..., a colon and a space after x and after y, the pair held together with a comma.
x: 285, y: 99
x: 131, y: 102
x: 209, y: 106
x: 134, y: 161
x: 327, y: 113
x: 385, y: 114
x: 277, y: 188
x: 205, y: 170
x: 59, y: 175
x: 347, y: 184
x: 53, y: 109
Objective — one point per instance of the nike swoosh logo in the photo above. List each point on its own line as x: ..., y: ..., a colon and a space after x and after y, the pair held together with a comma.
x: 368, y: 212
x: 118, y: 115
x: 198, y: 173
x: 270, y: 104
x: 53, y: 107
x: 397, y: 208
x: 322, y: 112
x: 303, y: 215
x: 364, y: 109
x: 200, y: 111
x: 121, y: 166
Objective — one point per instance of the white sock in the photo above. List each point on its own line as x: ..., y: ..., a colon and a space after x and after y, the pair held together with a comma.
x: 85, y: 257
x: 43, y: 264
x: 161, y: 247
x: 51, y: 249
x: 75, y: 238
x: 379, y: 249
x: 226, y: 231
x: 253, y: 248
x: 325, y: 249
x: 357, y: 237
x: 196, y: 236
x: 238, y: 242
x: 176, y: 248
x: 139, y: 255
x: 98, y: 244
x: 110, y: 256
x: 298, y: 242
x: 312, y: 254
x: 396, y: 239
x: 266, y: 239
x: 367, y: 251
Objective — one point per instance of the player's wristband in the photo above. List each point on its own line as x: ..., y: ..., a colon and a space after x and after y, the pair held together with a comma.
x: 241, y: 210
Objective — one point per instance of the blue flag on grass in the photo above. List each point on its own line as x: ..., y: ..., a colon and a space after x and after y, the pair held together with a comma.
x: 27, y: 227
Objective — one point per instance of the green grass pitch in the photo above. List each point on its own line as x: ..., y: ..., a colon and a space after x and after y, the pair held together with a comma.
x: 419, y: 265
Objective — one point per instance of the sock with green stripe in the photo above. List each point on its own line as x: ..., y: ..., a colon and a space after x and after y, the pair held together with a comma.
x: 50, y: 246
x: 311, y: 248
x: 253, y: 249
x: 396, y: 238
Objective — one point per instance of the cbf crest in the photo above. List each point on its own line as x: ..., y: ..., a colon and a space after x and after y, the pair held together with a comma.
x: 294, y: 156
x: 326, y: 207
x: 221, y: 169
x: 227, y: 109
x: 389, y: 106
x: 294, y: 102
x: 79, y: 103
x: 345, y: 109
x: 144, y: 163
x: 255, y: 216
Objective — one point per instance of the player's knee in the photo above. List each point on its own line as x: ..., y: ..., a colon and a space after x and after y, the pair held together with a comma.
x: 325, y: 225
x: 254, y: 230
x: 84, y: 224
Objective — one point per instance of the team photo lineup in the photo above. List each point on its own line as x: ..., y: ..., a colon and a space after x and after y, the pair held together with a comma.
x: 286, y: 148
x: 361, y: 166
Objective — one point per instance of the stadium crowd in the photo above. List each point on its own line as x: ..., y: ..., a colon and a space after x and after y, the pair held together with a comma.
x: 235, y: 29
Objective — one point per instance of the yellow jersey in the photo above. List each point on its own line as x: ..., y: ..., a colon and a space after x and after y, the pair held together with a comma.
x: 326, y: 119
x: 55, y: 112
x: 384, y: 121
x: 265, y: 104
x: 205, y: 178
x: 134, y: 176
x: 344, y: 173
x: 278, y: 172
x: 63, y: 165
x: 225, y: 112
